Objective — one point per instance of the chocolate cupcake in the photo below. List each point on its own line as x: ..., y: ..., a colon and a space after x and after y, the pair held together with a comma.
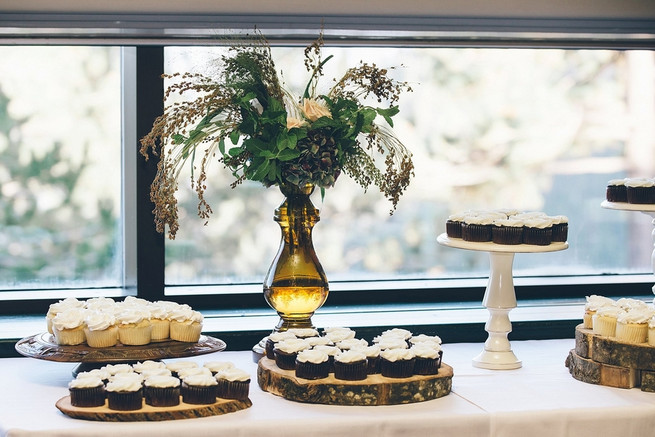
x: 285, y: 352
x: 428, y: 358
x: 560, y: 228
x: 507, y: 231
x: 87, y: 391
x: 640, y: 190
x: 274, y: 338
x: 477, y: 228
x: 350, y: 365
x: 616, y: 191
x: 162, y: 391
x: 372, y: 359
x: 233, y: 384
x: 199, y: 389
x: 312, y: 364
x: 397, y: 363
x: 331, y: 352
x: 538, y: 231
x: 124, y: 394
x: 454, y: 225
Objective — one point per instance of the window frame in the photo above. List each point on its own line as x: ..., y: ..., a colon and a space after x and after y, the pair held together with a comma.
x: 143, y: 37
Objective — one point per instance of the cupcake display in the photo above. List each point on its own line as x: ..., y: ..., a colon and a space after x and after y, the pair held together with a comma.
x: 627, y: 320
x: 631, y: 190
x: 102, y: 322
x: 508, y: 227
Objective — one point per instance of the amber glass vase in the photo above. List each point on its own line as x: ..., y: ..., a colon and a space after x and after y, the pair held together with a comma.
x: 295, y: 285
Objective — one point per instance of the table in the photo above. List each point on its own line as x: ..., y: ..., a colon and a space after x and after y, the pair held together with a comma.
x: 539, y: 399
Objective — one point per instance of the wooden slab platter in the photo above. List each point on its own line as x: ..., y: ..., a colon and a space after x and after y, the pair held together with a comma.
x: 374, y: 390
x: 606, y: 361
x: 150, y: 413
x: 43, y: 346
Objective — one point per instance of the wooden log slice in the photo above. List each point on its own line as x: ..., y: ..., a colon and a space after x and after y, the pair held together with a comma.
x: 374, y: 390
x: 608, y: 350
x: 593, y: 372
x: 150, y: 413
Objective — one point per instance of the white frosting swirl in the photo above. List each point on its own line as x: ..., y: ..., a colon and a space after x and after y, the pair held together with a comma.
x: 148, y: 365
x: 233, y: 374
x: 509, y: 222
x: 371, y: 351
x: 337, y: 336
x: 392, y: 343
x: 186, y: 315
x: 292, y: 345
x: 62, y: 305
x: 279, y: 336
x: 399, y: 332
x: 350, y: 356
x: 303, y: 332
x: 538, y: 223
x: 397, y: 354
x: 616, y: 182
x: 161, y: 381
x: 425, y: 338
x: 99, y: 321
x: 178, y: 365
x: 217, y: 366
x: 183, y: 374
x: 608, y: 311
x: 315, y: 341
x: 312, y: 356
x: 200, y: 380
x: 352, y: 343
x: 87, y: 381
x: 330, y: 350
x: 635, y: 315
x: 148, y: 373
x: 124, y: 385
x: 99, y: 303
x: 425, y: 350
x: 69, y: 319
x: 132, y: 316
x: 639, y: 183
x: 479, y: 220
x: 594, y: 302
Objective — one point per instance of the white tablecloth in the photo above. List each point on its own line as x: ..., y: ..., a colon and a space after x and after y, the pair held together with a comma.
x: 539, y: 399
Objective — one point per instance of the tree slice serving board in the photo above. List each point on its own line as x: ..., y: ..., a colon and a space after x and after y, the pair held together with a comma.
x: 150, y: 413
x: 374, y: 390
x: 606, y: 361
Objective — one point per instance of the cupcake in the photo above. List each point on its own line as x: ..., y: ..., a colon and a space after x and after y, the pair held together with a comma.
x: 405, y: 334
x: 303, y: 332
x: 68, y: 327
x: 454, y: 225
x: 331, y: 352
x: 350, y: 365
x: 477, y: 228
x: 144, y: 366
x: 199, y: 389
x: 391, y: 342
x: 632, y: 325
x: 87, y: 391
x: 351, y: 343
x: 507, y: 231
x: 233, y: 384
x: 337, y: 335
x: 100, y: 304
x: 428, y: 358
x: 616, y: 191
x: 397, y: 363
x: 312, y: 364
x: 274, y: 338
x: 604, y: 321
x: 159, y: 320
x: 124, y: 394
x: 651, y: 331
x: 186, y: 325
x: 148, y: 373
x: 101, y: 373
x: 162, y: 391
x: 192, y: 371
x: 593, y: 303
x: 560, y: 228
x: 58, y: 307
x: 134, y: 327
x: 372, y: 359
x: 422, y: 338
x: 114, y: 369
x: 640, y: 190
x: 319, y: 341
x: 100, y: 329
x: 538, y: 231
x: 286, y: 351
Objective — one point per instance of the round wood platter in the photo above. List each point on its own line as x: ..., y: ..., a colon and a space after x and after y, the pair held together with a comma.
x: 374, y: 390
x: 149, y: 413
x: 488, y: 246
x: 43, y: 346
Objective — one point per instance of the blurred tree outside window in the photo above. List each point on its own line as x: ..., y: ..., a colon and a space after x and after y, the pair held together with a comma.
x: 533, y: 129
x: 60, y: 168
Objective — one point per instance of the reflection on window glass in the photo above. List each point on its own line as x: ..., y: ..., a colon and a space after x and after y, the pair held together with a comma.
x: 60, y: 149
x: 533, y: 129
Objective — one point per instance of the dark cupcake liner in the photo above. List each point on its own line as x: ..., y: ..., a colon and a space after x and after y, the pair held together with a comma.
x: 538, y: 236
x: 616, y: 193
x: 88, y: 397
x: 312, y: 370
x: 426, y: 366
x: 285, y: 361
x: 162, y: 396
x: 125, y: 401
x: 560, y: 232
x: 641, y: 195
x: 233, y: 389
x: 356, y: 371
x: 507, y: 234
x: 397, y: 369
x: 476, y: 233
x: 192, y: 394
x: 270, y: 344
x: 453, y: 229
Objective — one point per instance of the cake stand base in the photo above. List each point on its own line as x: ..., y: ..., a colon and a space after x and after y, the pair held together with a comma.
x: 501, y: 360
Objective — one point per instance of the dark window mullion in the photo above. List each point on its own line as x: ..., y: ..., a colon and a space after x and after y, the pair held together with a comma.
x: 149, y: 105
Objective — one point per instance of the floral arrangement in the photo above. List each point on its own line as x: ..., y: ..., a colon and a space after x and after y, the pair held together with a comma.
x: 244, y: 116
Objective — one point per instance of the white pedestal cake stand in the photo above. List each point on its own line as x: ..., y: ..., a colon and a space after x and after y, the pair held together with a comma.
x: 499, y: 298
x: 647, y: 209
